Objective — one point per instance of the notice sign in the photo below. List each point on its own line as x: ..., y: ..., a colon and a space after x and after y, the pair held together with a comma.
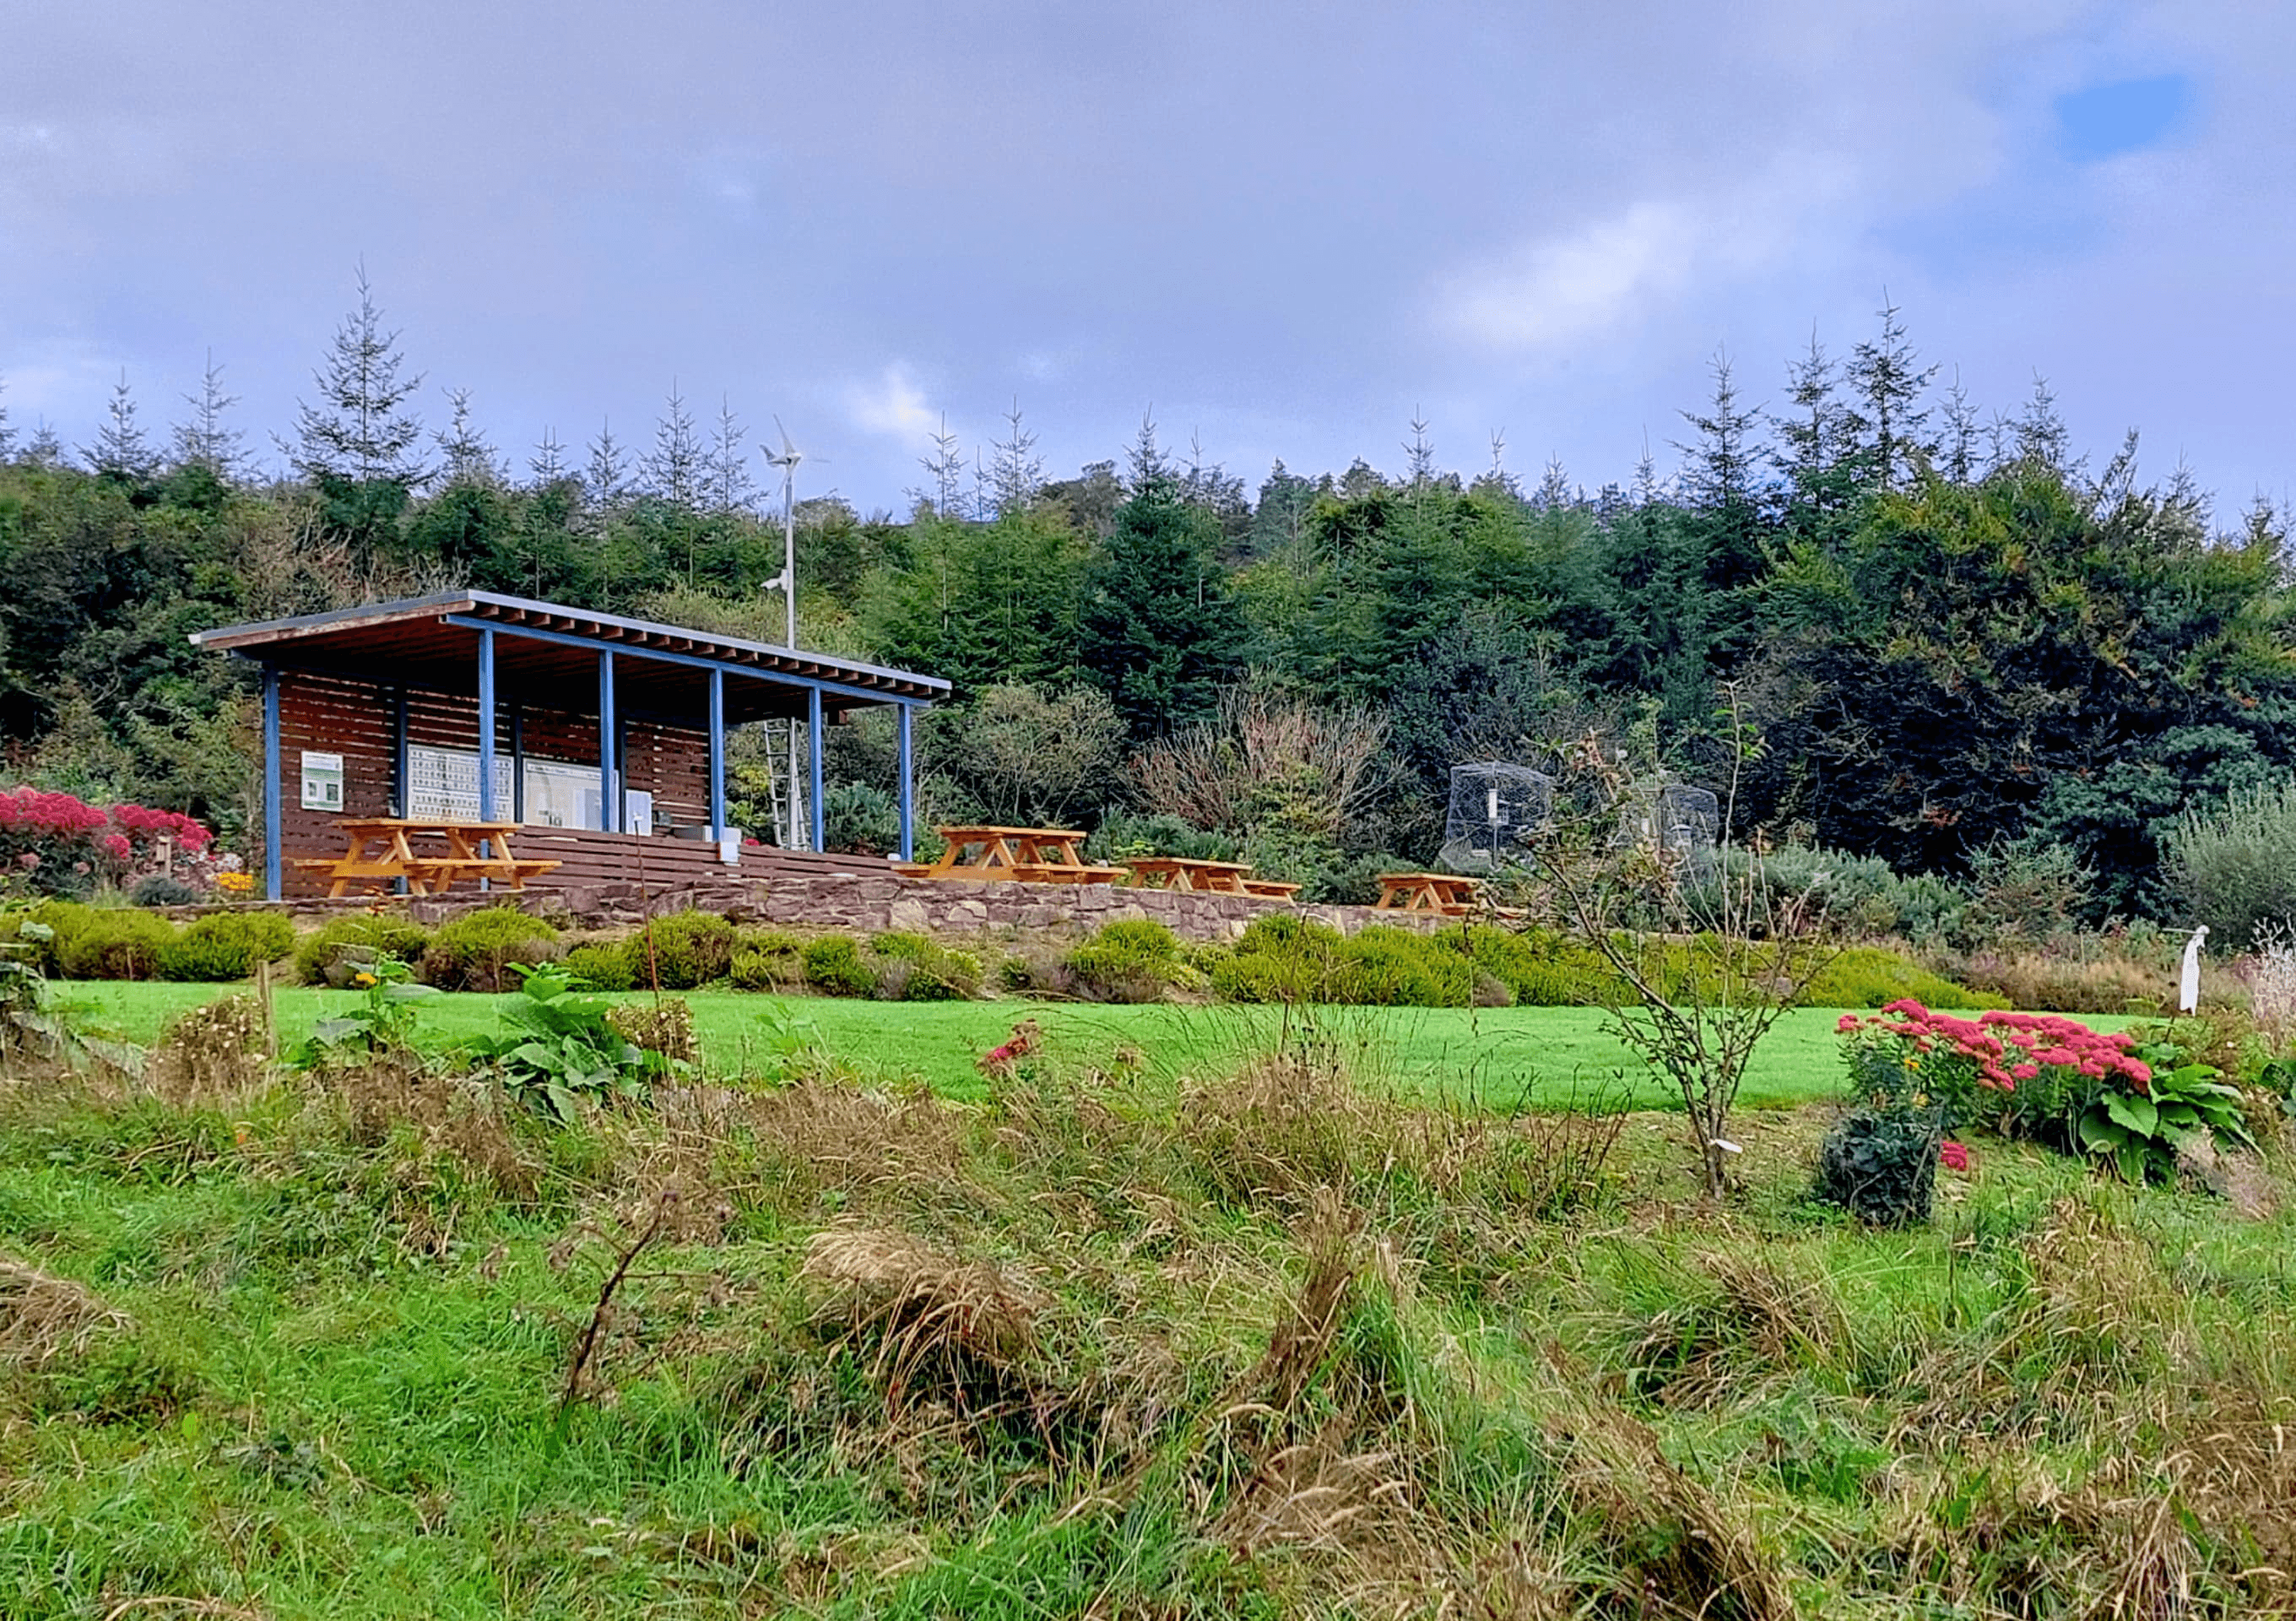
x: 322, y: 781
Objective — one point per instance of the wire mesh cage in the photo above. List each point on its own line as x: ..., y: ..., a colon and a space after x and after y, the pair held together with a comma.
x: 1677, y: 820
x: 1496, y: 816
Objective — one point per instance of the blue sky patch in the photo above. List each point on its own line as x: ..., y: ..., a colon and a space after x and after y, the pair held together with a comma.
x: 2129, y: 115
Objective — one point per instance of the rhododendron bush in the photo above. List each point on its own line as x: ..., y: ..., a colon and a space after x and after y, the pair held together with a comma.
x: 54, y: 843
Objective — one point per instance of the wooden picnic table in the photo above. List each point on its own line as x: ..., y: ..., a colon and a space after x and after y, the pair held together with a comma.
x: 1186, y: 873
x: 1017, y: 855
x: 382, y: 850
x: 1427, y: 891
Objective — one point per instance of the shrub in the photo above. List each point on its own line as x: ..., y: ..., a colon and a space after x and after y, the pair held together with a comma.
x: 833, y: 966
x: 161, y: 890
x: 912, y: 968
x: 476, y: 952
x: 109, y: 944
x: 1392, y: 967
x: 2235, y: 867
x: 861, y: 818
x: 320, y: 950
x: 1881, y: 1166
x: 226, y: 946
x: 1133, y: 961
x: 768, y: 961
x: 1868, y: 977
x: 689, y: 949
x: 1539, y: 967
x: 1280, y: 958
x: 604, y: 964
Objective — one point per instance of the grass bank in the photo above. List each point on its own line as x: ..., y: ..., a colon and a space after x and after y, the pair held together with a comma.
x: 1505, y: 1058
x: 1265, y: 1343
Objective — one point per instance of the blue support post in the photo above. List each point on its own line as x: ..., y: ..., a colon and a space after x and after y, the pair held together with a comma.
x: 271, y: 795
x: 717, y: 753
x: 813, y: 756
x: 908, y: 792
x: 486, y: 726
x: 402, y: 802
x: 610, y: 803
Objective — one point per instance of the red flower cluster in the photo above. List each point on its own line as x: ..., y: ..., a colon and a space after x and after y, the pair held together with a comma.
x: 1000, y: 1060
x: 1952, y: 1156
x: 43, y: 815
x: 142, y: 819
x: 2007, y: 1048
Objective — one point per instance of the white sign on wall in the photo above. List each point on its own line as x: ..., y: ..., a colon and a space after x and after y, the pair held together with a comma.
x: 322, y: 781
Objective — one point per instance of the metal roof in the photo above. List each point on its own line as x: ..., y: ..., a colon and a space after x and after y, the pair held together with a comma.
x: 431, y: 631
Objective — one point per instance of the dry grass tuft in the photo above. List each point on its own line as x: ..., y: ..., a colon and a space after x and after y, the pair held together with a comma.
x: 819, y: 1138
x: 43, y: 1317
x: 1761, y: 1325
x: 959, y: 1330
x: 212, y: 1054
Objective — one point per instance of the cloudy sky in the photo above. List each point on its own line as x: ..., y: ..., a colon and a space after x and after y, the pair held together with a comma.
x: 1285, y: 227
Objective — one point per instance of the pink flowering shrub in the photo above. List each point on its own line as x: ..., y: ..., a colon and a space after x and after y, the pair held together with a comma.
x: 58, y: 843
x: 2023, y: 1074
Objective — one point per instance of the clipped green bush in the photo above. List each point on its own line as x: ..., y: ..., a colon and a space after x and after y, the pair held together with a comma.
x: 686, y: 950
x: 114, y: 944
x: 1868, y: 977
x: 161, y: 890
x: 475, y: 952
x: 914, y: 968
x: 768, y: 961
x: 1280, y: 957
x: 604, y: 964
x: 1539, y: 967
x: 1392, y: 967
x: 834, y: 967
x: 1137, y: 960
x: 319, y: 951
x: 225, y: 946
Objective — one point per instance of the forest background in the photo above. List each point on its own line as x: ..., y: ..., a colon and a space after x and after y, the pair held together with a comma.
x: 1964, y: 645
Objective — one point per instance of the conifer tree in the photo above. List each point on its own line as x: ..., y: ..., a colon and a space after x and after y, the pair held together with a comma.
x: 1016, y: 472
x: 203, y: 440
x: 471, y: 457
x: 120, y: 450
x: 359, y: 430
x: 607, y: 478
x: 675, y: 469
x: 1889, y: 383
x: 2041, y: 435
x: 548, y: 465
x: 1719, y: 477
x: 7, y: 433
x: 731, y: 487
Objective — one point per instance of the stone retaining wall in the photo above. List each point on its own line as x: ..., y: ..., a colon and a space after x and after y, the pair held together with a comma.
x: 872, y: 904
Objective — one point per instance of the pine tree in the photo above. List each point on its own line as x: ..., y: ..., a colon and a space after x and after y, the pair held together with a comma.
x: 203, y: 440
x: 548, y: 465
x: 1159, y: 632
x: 945, y: 468
x: 608, y: 476
x: 7, y: 433
x: 358, y: 431
x: 471, y: 457
x: 1419, y: 453
x: 731, y: 487
x: 1718, y: 479
x: 44, y: 448
x: 1817, y: 449
x: 1016, y: 472
x: 2042, y: 437
x: 120, y: 450
x: 675, y: 468
x: 1889, y: 383
x: 1958, y: 448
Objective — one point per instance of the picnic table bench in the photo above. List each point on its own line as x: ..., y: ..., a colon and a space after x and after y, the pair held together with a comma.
x: 1186, y: 873
x: 382, y: 852
x: 1021, y: 855
x: 1446, y: 893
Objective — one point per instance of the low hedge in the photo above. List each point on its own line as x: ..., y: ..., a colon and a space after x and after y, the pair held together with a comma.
x: 318, y: 951
x: 226, y: 946
x: 476, y: 952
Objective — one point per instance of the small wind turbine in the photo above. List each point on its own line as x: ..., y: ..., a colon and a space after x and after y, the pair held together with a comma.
x: 787, y: 461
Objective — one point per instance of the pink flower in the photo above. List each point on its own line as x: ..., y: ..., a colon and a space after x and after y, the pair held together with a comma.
x: 2026, y: 1071
x: 1847, y: 1023
x: 117, y: 844
x: 1952, y: 1156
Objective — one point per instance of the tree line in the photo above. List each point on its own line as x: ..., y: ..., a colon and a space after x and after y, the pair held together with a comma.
x: 1951, y: 635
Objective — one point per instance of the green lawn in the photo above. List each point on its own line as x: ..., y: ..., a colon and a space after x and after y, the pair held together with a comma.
x: 1503, y: 1058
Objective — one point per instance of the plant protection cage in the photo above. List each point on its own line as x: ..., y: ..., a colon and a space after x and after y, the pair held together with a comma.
x: 1496, y: 813
x: 1679, y: 820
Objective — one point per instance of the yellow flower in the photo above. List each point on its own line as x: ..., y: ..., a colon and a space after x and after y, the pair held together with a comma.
x: 363, y: 979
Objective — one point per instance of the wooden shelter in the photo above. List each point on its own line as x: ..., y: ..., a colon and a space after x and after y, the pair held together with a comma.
x: 597, y: 733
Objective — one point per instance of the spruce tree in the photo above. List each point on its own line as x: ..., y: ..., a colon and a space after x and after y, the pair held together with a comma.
x: 358, y: 431
x: 675, y: 469
x: 7, y: 433
x: 607, y: 478
x: 120, y: 450
x: 1016, y: 472
x: 731, y: 488
x: 1159, y: 632
x: 1720, y: 479
x: 1888, y: 382
x: 471, y: 458
x: 203, y: 442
